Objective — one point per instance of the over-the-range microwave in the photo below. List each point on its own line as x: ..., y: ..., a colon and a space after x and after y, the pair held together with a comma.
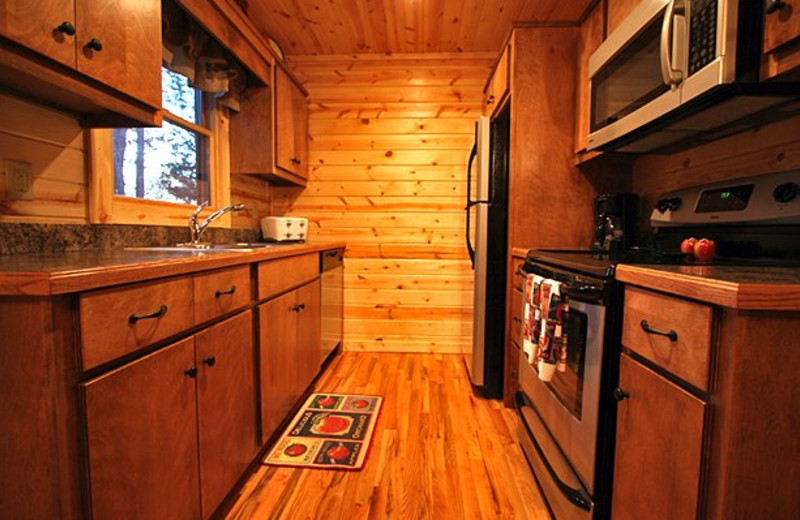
x: 678, y: 72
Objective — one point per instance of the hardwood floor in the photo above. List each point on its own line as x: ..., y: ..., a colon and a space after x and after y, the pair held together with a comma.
x: 439, y: 452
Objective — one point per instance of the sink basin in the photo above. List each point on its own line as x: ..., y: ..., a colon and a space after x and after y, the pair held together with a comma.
x: 212, y: 248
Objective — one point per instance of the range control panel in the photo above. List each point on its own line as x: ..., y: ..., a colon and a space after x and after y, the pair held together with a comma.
x: 766, y: 199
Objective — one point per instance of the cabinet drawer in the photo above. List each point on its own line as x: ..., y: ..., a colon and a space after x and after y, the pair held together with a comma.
x: 278, y: 275
x: 117, y: 321
x: 219, y: 292
x: 688, y: 356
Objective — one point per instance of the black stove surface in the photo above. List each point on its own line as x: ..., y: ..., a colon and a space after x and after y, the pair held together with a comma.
x: 602, y: 264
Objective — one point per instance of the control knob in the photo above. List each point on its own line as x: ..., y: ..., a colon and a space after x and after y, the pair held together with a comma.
x: 672, y: 204
x: 785, y: 192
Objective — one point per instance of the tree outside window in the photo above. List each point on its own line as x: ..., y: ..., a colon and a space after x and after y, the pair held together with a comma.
x: 170, y: 163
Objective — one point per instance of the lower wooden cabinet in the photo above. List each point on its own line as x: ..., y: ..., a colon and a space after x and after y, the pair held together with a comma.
x: 659, y: 447
x: 226, y: 406
x: 289, y: 345
x: 169, y: 434
x: 141, y: 424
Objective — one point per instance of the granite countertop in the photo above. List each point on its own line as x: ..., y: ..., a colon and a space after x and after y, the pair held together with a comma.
x: 68, y: 272
x: 738, y: 287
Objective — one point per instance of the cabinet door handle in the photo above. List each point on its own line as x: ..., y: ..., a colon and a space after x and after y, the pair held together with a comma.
x: 220, y: 292
x: 671, y: 334
x: 299, y: 307
x: 95, y: 44
x: 133, y: 318
x: 620, y: 394
x: 210, y: 361
x: 66, y: 28
x: 775, y: 5
x: 191, y: 373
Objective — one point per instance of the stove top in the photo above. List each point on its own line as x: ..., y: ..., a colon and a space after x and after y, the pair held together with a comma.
x: 603, y: 263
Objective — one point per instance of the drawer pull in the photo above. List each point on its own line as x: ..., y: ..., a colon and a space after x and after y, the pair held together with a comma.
x: 226, y: 291
x: 671, y: 334
x: 299, y: 307
x: 191, y: 373
x: 210, y: 361
x: 66, y: 28
x: 620, y: 394
x: 133, y: 318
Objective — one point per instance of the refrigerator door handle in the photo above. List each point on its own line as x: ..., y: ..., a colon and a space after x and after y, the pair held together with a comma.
x: 472, y: 155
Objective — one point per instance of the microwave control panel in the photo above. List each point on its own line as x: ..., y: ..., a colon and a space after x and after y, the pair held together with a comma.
x: 702, y: 34
x: 766, y: 199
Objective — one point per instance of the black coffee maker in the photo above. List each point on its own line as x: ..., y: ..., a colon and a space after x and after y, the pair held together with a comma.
x: 615, y: 221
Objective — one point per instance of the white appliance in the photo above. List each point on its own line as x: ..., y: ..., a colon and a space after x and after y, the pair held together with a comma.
x: 678, y: 71
x: 282, y: 229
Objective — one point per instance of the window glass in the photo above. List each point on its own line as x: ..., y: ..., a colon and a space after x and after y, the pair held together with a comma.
x: 169, y: 163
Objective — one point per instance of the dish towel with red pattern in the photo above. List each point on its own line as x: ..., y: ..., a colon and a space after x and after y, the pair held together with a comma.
x: 531, y: 317
x: 552, y: 346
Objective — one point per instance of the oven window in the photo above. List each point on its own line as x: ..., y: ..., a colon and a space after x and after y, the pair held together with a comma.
x: 567, y: 386
x: 629, y: 81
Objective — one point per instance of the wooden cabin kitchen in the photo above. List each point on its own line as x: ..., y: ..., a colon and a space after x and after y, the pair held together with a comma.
x: 420, y: 259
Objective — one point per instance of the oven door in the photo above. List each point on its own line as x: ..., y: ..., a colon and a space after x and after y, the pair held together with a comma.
x: 635, y: 74
x: 568, y: 406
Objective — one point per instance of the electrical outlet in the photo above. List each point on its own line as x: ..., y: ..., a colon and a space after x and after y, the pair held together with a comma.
x: 19, y: 180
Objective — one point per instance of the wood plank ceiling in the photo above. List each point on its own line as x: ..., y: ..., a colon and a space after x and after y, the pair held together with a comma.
x: 308, y: 27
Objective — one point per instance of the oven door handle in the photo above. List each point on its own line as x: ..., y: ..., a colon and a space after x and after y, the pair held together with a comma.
x: 576, y: 496
x: 585, y: 292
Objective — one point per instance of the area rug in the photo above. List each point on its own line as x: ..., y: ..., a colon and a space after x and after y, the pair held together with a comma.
x: 331, y: 431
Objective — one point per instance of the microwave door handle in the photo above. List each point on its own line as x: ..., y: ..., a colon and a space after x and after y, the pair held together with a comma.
x: 670, y: 75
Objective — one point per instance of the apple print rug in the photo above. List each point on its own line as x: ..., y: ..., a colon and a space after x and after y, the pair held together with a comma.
x: 331, y: 431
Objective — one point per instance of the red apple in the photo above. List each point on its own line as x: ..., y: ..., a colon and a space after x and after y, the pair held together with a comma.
x: 326, y: 401
x: 339, y: 452
x: 704, y: 250
x: 687, y: 246
x: 295, y: 450
x: 359, y: 403
x: 333, y: 424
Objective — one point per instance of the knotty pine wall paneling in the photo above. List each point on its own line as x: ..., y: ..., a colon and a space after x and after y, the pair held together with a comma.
x: 388, y: 146
x: 53, y: 143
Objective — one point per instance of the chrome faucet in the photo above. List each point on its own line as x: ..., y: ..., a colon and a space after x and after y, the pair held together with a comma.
x: 196, y: 230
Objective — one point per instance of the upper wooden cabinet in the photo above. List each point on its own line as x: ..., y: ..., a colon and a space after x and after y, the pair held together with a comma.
x: 781, y: 39
x: 119, y: 44
x: 497, y: 87
x: 98, y: 58
x: 291, y: 125
x: 44, y: 26
x: 269, y: 136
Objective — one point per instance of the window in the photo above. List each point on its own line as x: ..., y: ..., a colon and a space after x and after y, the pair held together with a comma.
x: 170, y: 163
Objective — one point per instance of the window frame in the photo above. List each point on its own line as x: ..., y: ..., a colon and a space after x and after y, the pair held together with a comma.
x: 105, y: 207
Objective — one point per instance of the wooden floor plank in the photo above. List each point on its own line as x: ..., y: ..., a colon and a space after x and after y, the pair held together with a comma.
x: 439, y: 451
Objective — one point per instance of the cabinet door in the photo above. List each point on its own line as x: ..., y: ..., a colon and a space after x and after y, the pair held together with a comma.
x: 277, y: 340
x: 251, y: 133
x: 309, y: 333
x: 300, y: 113
x: 659, y: 447
x: 119, y: 44
x: 782, y: 25
x: 41, y: 25
x: 141, y: 425
x: 291, y: 125
x: 226, y: 406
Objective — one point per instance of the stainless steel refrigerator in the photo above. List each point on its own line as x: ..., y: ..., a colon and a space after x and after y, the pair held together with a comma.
x: 487, y: 225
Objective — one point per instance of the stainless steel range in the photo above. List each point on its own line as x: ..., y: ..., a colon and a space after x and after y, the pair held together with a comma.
x: 567, y: 424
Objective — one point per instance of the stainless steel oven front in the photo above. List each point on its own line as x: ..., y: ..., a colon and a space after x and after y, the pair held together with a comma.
x: 560, y: 419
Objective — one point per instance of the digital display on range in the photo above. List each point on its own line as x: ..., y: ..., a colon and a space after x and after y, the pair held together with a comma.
x: 734, y: 198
